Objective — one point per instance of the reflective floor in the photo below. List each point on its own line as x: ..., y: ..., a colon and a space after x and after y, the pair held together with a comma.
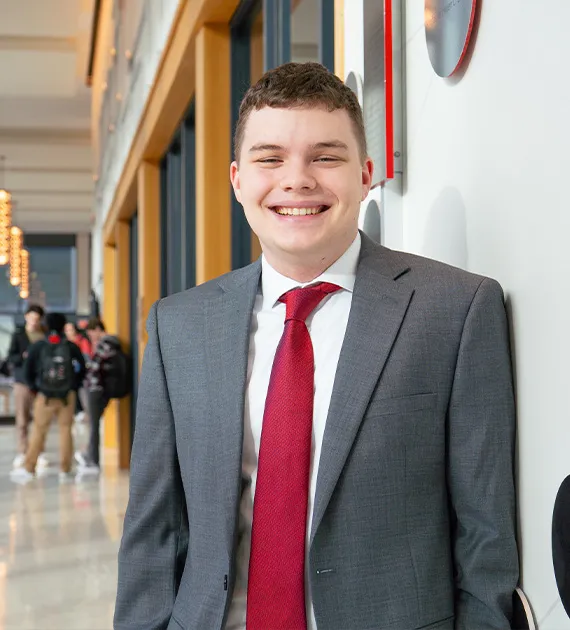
x: 58, y: 545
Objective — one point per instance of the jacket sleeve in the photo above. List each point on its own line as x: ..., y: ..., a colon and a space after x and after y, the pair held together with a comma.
x: 15, y: 352
x: 78, y: 356
x: 481, y: 439
x: 31, y: 365
x: 155, y: 535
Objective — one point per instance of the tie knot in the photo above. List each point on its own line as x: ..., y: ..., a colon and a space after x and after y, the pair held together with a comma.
x: 302, y: 302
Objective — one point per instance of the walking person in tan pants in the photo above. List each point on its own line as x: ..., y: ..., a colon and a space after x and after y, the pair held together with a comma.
x: 54, y: 370
x: 20, y: 343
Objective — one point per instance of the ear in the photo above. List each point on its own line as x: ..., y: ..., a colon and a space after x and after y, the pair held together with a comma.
x: 367, y: 172
x: 234, y: 178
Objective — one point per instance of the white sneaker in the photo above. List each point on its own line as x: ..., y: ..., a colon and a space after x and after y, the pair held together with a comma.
x: 64, y: 477
x: 80, y: 459
x: 43, y: 461
x: 90, y: 469
x: 80, y: 416
x: 19, y: 461
x: 21, y: 475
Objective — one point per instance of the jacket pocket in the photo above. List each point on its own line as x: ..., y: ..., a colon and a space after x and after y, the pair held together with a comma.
x: 400, y: 405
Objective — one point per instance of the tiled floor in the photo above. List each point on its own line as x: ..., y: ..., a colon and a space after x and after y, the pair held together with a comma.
x: 58, y: 546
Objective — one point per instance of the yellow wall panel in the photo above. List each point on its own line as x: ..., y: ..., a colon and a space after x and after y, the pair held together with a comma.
x: 149, y: 255
x: 213, y: 138
x: 110, y: 321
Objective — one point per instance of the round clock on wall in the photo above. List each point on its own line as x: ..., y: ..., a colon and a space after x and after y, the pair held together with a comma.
x: 448, y: 25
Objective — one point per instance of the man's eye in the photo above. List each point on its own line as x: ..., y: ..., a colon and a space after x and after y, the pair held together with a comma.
x: 271, y: 160
x: 327, y: 158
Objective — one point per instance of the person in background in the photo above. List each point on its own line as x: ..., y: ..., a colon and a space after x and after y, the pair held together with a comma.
x: 104, y: 348
x: 54, y: 371
x: 81, y: 340
x: 22, y: 339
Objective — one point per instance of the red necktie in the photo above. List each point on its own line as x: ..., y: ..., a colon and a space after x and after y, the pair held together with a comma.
x: 276, y: 584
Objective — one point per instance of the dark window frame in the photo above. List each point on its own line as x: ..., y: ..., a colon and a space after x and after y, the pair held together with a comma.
x: 178, y: 209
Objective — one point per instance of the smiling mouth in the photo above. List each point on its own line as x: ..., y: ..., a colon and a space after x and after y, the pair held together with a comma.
x: 302, y: 212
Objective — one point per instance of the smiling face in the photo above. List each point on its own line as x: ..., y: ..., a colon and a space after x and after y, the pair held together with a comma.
x: 300, y: 180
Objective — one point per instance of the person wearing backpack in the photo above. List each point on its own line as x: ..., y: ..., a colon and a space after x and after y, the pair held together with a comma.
x: 108, y: 376
x: 54, y: 371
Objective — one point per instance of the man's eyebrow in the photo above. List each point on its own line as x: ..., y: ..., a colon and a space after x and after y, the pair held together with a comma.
x: 331, y: 144
x: 265, y: 147
x: 319, y: 146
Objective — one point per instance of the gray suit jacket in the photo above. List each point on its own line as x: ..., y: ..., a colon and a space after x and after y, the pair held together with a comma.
x: 414, y: 513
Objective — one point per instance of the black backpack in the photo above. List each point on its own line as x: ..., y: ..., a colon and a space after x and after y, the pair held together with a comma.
x: 56, y: 374
x: 116, y: 374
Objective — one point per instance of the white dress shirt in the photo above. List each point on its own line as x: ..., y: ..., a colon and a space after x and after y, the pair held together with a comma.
x: 327, y: 327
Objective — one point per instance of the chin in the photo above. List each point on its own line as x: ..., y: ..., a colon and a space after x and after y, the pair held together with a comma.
x: 300, y: 246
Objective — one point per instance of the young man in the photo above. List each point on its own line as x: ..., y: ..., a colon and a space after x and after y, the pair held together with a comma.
x: 54, y: 371
x: 22, y: 339
x: 324, y: 439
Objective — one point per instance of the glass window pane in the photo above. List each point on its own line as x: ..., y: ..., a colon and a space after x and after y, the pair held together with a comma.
x: 305, y: 30
x: 52, y: 277
x: 9, y: 296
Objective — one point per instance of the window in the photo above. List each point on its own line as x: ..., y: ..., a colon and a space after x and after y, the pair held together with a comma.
x: 305, y: 29
x: 9, y: 296
x: 178, y: 209
x: 53, y: 277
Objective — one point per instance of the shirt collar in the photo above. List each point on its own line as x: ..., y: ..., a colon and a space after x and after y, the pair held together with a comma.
x: 342, y: 273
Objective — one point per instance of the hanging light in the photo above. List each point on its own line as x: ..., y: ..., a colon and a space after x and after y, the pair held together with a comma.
x: 15, y: 256
x: 5, y: 223
x: 25, y: 283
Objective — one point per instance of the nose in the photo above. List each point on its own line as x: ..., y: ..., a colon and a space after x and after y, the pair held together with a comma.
x: 297, y: 177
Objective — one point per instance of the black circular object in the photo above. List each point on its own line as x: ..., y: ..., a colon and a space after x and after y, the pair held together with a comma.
x: 561, y: 542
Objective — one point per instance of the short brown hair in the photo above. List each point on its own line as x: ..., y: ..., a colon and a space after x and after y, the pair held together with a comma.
x: 301, y: 85
x: 95, y: 323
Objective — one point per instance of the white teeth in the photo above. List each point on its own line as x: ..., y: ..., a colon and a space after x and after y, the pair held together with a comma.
x: 298, y: 211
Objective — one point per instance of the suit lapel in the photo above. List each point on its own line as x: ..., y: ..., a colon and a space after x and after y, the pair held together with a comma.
x: 227, y: 326
x: 378, y: 308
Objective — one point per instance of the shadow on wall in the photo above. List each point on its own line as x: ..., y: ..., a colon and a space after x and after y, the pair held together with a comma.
x: 445, y: 237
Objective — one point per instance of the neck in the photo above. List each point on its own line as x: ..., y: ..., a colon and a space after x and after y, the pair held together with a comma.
x: 305, y: 269
x: 300, y: 273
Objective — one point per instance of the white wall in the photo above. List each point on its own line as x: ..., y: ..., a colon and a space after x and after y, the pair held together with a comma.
x: 486, y: 190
